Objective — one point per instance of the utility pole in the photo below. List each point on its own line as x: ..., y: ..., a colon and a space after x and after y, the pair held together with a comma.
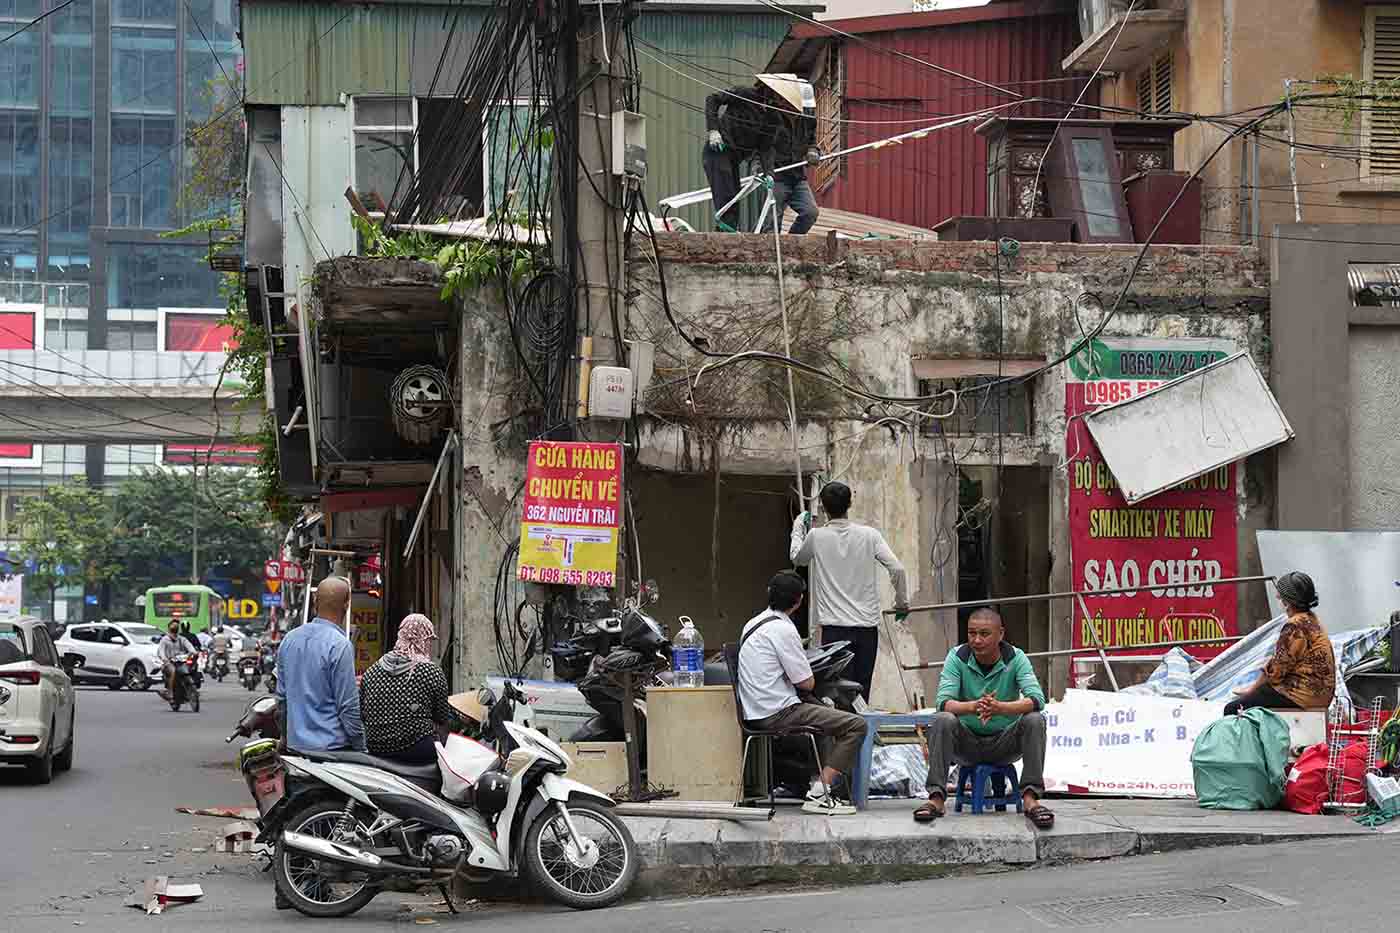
x: 194, y: 510
x: 597, y: 64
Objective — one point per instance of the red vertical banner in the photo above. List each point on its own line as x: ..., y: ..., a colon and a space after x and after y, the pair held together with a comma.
x: 1165, y: 550
x: 17, y: 333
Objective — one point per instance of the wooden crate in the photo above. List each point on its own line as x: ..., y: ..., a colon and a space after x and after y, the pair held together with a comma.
x: 600, y: 765
x: 693, y: 743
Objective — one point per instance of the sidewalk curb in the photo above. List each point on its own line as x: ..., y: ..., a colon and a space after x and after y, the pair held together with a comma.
x: 692, y: 857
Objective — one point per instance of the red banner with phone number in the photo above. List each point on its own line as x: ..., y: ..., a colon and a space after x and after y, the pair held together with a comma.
x: 572, y: 511
x: 1166, y: 549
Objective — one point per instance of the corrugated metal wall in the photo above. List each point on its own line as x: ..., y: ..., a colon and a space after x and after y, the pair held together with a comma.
x: 924, y: 182
x: 701, y: 52
x: 311, y: 53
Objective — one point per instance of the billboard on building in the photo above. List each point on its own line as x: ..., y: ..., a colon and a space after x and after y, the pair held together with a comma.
x: 1165, y: 550
x: 17, y: 332
x: 197, y: 332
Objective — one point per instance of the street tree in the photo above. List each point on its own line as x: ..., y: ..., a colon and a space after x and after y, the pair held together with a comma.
x: 156, y: 512
x: 66, y: 536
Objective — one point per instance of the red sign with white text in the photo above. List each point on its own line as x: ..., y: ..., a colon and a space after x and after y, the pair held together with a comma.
x: 573, y: 507
x: 1164, y: 550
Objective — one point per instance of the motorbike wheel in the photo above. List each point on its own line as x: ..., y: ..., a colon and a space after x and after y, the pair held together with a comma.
x: 194, y: 699
x: 598, y: 880
x: 299, y: 877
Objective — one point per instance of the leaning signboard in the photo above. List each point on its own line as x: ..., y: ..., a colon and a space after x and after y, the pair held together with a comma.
x: 1164, y: 552
x: 572, y: 511
x: 1120, y: 744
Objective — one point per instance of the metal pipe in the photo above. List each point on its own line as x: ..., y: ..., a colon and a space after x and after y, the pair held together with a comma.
x: 1098, y: 643
x: 694, y: 810
x: 1065, y: 652
x: 1071, y: 594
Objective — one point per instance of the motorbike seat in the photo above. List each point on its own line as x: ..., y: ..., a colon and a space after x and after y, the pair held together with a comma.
x: 427, y: 776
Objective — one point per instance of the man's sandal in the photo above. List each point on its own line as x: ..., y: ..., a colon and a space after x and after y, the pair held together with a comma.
x: 927, y: 812
x: 1041, y: 816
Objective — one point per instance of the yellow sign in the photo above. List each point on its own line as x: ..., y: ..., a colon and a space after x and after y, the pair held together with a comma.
x: 243, y: 608
x: 366, y: 631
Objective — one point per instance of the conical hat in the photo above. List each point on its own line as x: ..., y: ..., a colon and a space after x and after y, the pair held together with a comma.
x: 786, y: 86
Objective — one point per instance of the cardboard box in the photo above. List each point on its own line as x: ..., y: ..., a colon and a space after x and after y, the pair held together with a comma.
x: 600, y: 765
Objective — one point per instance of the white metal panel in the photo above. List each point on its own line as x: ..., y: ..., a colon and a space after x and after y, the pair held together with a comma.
x: 315, y: 172
x: 1356, y: 573
x: 1206, y: 419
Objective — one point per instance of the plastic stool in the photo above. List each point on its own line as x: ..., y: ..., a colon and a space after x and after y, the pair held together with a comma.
x: 972, y: 787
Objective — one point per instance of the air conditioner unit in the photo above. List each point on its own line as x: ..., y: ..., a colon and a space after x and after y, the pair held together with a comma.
x: 1096, y: 14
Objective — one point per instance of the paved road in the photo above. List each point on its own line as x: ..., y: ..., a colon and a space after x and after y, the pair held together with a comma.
x: 76, y: 850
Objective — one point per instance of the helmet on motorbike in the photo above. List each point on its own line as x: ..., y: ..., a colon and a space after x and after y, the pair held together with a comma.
x: 641, y: 632
x: 492, y: 791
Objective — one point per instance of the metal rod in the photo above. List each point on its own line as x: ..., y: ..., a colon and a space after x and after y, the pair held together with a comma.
x: 1066, y: 652
x: 1254, y: 191
x: 1071, y: 594
x: 787, y: 350
x: 1292, y: 149
x: 1098, y: 643
x: 694, y: 810
x: 428, y: 494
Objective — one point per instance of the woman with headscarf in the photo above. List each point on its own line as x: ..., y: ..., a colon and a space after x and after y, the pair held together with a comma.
x: 1303, y: 671
x: 403, y: 697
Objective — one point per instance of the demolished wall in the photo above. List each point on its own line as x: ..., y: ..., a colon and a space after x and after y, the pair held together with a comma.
x: 867, y: 311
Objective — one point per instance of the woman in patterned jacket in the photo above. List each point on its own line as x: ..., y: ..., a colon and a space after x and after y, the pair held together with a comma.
x: 1303, y: 671
x: 403, y: 697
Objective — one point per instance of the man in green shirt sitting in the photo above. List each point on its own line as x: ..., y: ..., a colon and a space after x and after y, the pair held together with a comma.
x: 989, y: 712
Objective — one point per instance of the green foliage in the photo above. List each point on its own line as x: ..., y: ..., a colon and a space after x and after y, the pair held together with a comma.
x: 465, y: 264
x: 1350, y: 96
x: 155, y: 512
x: 66, y: 536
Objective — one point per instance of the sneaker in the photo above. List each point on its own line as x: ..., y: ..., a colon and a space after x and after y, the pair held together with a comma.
x: 827, y: 805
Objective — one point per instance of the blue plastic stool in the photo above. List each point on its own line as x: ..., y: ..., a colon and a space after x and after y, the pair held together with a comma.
x: 972, y: 787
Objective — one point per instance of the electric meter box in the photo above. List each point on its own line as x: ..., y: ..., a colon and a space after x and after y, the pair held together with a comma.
x: 610, y: 392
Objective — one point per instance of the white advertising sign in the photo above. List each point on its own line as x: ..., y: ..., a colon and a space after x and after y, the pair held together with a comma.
x: 1116, y: 744
x: 10, y: 596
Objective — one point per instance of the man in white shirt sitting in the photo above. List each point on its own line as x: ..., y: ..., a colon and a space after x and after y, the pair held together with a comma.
x: 772, y: 668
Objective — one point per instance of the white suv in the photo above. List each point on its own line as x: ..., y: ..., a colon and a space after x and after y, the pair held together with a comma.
x: 118, y: 654
x: 37, y: 704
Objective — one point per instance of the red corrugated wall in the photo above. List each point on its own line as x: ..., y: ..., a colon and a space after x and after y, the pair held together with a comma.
x: 926, y: 181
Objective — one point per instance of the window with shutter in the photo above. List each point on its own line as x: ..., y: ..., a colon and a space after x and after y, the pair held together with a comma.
x: 1154, y: 86
x: 1382, y: 64
x: 828, y: 85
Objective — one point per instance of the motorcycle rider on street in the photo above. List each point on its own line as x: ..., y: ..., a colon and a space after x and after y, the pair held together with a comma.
x: 174, y: 645
x: 219, y: 647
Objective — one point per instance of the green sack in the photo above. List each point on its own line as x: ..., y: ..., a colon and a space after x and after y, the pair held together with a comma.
x: 1239, y: 762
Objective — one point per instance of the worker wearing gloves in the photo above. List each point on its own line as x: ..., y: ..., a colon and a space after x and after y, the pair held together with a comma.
x: 766, y: 120
x: 845, y: 602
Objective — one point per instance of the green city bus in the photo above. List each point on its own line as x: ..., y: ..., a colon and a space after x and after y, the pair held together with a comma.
x: 200, y: 606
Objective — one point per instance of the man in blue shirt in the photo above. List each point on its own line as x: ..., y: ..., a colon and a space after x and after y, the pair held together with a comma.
x: 316, y: 688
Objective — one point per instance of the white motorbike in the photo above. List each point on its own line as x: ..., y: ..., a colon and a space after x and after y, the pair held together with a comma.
x: 348, y: 825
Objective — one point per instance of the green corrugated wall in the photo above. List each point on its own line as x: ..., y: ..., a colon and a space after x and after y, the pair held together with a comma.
x: 312, y: 53
x: 705, y: 48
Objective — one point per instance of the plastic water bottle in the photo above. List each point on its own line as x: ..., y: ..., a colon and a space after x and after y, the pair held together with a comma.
x: 688, y: 656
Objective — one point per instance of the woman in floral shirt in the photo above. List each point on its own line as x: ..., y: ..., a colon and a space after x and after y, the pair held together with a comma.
x: 1303, y: 671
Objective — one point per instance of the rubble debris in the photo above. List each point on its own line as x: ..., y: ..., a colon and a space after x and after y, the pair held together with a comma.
x: 158, y: 893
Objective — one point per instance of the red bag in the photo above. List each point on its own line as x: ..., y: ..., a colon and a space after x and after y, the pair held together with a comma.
x: 1306, y: 790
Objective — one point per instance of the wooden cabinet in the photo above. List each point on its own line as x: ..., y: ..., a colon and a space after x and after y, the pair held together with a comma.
x: 693, y: 743
x: 1016, y: 145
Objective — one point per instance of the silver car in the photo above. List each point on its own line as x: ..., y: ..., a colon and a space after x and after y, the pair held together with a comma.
x: 38, y: 706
